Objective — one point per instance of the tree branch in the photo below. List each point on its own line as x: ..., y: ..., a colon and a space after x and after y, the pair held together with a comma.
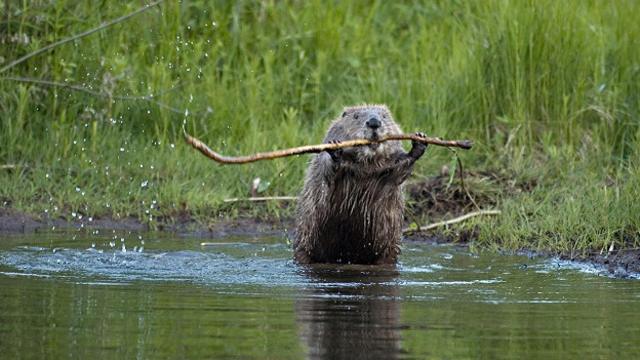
x: 206, y: 151
x: 262, y: 198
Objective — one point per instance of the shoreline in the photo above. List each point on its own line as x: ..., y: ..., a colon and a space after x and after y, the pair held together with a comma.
x: 620, y: 263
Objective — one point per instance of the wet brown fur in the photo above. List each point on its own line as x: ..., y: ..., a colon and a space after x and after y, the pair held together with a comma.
x: 351, y: 206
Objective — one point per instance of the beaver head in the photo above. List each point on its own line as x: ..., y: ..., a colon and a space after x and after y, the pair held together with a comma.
x: 370, y: 122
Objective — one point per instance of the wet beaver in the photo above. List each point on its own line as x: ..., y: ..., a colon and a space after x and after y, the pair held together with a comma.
x: 351, y: 207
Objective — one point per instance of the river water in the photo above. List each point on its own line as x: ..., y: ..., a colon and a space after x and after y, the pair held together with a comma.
x: 155, y: 296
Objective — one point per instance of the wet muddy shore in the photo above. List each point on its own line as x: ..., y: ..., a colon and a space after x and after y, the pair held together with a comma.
x: 618, y: 263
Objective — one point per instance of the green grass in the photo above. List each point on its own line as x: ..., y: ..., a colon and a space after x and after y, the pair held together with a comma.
x: 549, y: 90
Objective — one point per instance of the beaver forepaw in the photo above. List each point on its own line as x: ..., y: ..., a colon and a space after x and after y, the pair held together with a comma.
x: 336, y: 155
x: 418, y: 148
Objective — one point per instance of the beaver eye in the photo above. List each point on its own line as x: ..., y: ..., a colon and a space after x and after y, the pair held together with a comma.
x: 355, y: 116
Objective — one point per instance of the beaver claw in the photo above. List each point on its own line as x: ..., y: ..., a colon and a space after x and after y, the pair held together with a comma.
x: 336, y: 154
x: 418, y: 148
x: 419, y: 134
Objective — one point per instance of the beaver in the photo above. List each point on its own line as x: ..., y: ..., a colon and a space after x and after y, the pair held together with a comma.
x: 351, y: 207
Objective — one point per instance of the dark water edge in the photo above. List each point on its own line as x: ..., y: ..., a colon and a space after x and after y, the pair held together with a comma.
x: 622, y: 263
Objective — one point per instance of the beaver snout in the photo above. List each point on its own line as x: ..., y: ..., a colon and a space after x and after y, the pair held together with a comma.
x: 373, y: 122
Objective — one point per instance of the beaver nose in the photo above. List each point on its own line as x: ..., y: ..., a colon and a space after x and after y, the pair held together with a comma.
x: 373, y: 122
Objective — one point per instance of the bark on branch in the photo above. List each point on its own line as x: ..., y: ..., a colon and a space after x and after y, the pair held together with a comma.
x: 206, y: 151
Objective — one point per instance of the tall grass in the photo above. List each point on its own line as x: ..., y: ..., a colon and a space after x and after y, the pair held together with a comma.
x: 548, y: 89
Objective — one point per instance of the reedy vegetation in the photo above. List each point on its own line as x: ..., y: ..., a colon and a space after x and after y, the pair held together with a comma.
x: 549, y: 90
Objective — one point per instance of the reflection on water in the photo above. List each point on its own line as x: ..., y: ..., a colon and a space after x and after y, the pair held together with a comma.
x: 244, y: 298
x: 354, y: 315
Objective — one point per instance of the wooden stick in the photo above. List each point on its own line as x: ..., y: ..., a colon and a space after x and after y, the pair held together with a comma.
x: 454, y: 220
x: 262, y: 198
x: 206, y: 151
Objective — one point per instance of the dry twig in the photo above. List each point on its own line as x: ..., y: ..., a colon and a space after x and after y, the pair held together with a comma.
x: 262, y: 198
x: 206, y: 151
x: 453, y: 221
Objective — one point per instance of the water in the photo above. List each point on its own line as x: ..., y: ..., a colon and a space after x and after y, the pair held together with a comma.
x: 244, y: 298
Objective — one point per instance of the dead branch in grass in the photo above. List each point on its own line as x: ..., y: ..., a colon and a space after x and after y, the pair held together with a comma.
x: 452, y: 221
x: 206, y: 151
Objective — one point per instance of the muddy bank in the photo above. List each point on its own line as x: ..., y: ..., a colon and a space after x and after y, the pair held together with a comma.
x: 433, y: 198
x: 16, y: 222
x: 621, y: 263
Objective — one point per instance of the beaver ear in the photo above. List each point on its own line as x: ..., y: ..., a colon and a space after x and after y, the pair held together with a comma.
x: 344, y: 114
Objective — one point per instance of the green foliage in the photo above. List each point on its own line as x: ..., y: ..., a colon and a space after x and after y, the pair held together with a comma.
x: 549, y: 90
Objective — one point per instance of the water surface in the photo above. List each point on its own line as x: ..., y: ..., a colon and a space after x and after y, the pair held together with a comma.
x: 153, y: 296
